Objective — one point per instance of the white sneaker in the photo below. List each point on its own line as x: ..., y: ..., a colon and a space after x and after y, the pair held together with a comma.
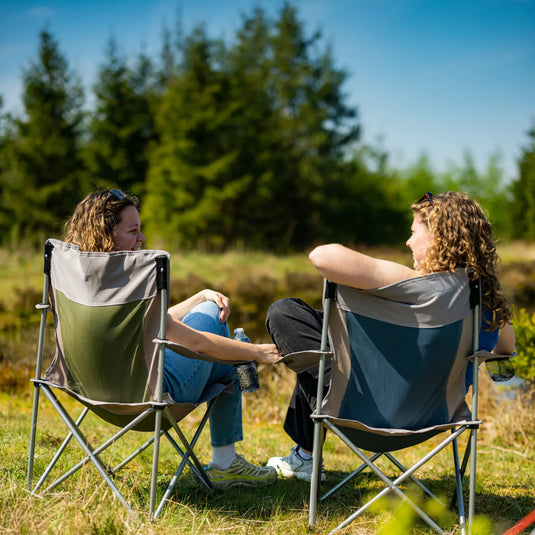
x: 294, y: 465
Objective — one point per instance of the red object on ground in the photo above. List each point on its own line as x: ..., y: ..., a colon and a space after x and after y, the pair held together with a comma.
x: 522, y: 524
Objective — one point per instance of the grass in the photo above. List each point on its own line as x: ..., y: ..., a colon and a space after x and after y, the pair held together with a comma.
x: 505, y: 488
x: 506, y: 463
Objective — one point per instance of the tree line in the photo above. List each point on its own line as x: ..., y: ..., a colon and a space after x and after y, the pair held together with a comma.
x: 249, y: 143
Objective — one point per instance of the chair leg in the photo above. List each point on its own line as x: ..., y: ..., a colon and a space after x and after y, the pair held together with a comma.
x: 194, y: 464
x: 393, y: 485
x: 58, y: 454
x: 415, y: 480
x: 464, y: 464
x: 155, y: 457
x: 472, y: 489
x: 81, y: 439
x: 351, y: 476
x: 459, y: 487
x: 31, y: 453
x: 186, y: 460
x: 133, y: 455
x: 316, y: 471
x: 97, y: 451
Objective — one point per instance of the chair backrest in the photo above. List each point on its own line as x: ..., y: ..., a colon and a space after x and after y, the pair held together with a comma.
x: 107, y: 312
x: 400, y: 353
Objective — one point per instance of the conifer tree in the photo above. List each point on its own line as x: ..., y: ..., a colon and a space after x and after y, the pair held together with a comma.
x: 252, y: 137
x: 42, y: 175
x: 523, y: 206
x: 190, y: 181
x: 122, y: 125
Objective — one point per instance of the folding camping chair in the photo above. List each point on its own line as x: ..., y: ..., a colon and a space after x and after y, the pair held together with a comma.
x: 110, y: 313
x: 399, y: 357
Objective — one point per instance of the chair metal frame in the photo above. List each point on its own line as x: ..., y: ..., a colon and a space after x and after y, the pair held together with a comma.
x: 158, y: 409
x: 321, y: 422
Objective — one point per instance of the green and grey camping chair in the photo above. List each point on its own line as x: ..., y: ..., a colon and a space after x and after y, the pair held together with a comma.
x: 399, y: 358
x: 110, y: 312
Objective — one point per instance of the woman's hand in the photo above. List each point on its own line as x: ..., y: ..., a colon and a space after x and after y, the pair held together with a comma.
x: 267, y: 353
x: 222, y: 301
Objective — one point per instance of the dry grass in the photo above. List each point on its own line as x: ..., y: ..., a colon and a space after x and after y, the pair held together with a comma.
x: 506, y: 466
x: 505, y: 491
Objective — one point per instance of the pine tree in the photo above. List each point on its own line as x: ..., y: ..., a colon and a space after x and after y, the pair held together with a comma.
x: 122, y: 126
x: 190, y: 180
x: 523, y: 206
x: 42, y: 175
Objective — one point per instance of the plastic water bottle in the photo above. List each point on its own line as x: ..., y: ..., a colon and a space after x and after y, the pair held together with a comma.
x: 240, y: 335
x: 247, y: 374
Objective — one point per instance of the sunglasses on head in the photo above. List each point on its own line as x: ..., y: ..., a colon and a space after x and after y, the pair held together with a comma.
x: 117, y: 193
x: 427, y: 197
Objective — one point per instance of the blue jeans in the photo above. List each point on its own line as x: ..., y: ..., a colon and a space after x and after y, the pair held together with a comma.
x: 187, y: 379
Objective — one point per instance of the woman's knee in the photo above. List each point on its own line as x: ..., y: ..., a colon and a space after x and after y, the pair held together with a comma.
x: 283, y: 309
x: 206, y: 317
x: 209, y: 308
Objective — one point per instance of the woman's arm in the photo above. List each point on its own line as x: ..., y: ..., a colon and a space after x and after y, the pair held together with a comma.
x: 506, y: 341
x: 342, y: 265
x: 219, y: 346
x: 179, y: 310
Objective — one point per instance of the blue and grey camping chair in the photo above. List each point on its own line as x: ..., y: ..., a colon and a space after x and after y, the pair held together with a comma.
x: 399, y: 358
x: 110, y: 312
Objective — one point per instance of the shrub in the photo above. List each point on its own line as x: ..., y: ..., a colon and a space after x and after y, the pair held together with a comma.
x: 524, y: 362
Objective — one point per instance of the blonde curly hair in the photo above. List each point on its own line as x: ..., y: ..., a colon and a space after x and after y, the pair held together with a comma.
x: 462, y: 239
x: 91, y: 225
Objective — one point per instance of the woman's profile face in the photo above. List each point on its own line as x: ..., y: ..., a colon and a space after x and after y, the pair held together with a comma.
x: 127, y: 235
x: 419, y: 241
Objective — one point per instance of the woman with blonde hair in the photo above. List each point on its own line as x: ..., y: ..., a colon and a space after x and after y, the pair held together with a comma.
x: 107, y: 221
x: 449, y: 232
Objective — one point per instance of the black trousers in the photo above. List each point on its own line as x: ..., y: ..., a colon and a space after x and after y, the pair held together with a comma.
x: 296, y: 326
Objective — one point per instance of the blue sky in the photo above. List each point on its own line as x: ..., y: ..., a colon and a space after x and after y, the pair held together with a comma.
x: 438, y: 76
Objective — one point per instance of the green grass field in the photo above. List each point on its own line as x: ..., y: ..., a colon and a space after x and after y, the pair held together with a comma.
x: 84, y: 505
x: 506, y: 464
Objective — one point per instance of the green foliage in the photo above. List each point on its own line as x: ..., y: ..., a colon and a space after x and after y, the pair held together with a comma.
x: 191, y: 183
x: 122, y: 125
x: 487, y: 187
x: 254, y: 160
x: 524, y: 362
x: 41, y: 173
x: 523, y: 207
x: 245, y: 143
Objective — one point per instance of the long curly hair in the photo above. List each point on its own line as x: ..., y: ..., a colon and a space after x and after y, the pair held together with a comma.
x: 91, y: 225
x: 462, y: 239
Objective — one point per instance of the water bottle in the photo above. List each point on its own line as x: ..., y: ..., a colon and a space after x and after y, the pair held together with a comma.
x: 247, y: 374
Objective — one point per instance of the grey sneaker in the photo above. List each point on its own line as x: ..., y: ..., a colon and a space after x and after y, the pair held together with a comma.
x: 240, y: 473
x: 294, y: 466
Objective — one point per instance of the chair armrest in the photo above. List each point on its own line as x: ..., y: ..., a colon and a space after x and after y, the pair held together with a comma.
x: 186, y: 352
x: 301, y: 361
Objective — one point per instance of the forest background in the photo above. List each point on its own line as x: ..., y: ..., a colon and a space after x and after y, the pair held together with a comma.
x: 247, y: 144
x: 245, y: 154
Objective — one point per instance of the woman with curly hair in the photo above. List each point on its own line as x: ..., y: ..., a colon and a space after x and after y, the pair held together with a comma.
x: 107, y: 221
x: 449, y: 232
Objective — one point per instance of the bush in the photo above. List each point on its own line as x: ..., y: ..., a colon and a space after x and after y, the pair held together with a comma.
x: 524, y: 362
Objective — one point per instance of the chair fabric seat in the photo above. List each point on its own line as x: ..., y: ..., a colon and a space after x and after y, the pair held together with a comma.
x: 110, y: 314
x: 399, y: 358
